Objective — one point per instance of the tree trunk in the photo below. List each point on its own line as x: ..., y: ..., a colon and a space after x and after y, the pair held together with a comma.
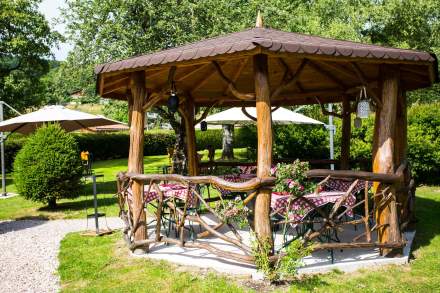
x: 264, y: 128
x: 178, y: 159
x: 52, y: 203
x: 383, y: 156
x: 136, y: 154
x: 228, y: 139
x: 179, y: 155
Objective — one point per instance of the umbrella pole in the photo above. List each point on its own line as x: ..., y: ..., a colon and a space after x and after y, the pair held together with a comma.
x: 2, y: 147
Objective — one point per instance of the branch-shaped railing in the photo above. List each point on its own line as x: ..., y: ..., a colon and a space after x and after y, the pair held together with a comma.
x: 392, y: 191
x: 183, y: 212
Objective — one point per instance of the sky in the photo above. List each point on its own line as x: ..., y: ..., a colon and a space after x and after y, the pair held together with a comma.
x: 51, y: 10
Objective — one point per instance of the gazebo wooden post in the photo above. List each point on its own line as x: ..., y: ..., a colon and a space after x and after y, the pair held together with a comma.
x: 346, y: 135
x: 264, y: 125
x: 188, y: 115
x: 136, y: 152
x: 400, y: 154
x: 383, y: 158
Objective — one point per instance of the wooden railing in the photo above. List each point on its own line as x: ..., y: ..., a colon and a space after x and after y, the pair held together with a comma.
x: 182, y: 213
x: 394, y: 191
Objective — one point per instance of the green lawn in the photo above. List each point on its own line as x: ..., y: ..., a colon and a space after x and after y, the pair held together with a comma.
x: 19, y: 208
x: 102, y: 264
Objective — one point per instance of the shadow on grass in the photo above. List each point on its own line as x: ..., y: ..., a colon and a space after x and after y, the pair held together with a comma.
x: 310, y: 283
x: 21, y: 224
x: 101, y: 187
x: 427, y: 226
x: 78, y: 205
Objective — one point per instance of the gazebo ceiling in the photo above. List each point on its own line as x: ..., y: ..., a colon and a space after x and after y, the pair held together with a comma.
x: 306, y: 66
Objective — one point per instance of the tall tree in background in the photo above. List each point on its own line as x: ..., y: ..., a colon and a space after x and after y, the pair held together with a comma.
x: 25, y: 42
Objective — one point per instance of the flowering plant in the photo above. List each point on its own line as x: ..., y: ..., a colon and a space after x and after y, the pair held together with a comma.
x: 292, y: 178
x: 233, y: 211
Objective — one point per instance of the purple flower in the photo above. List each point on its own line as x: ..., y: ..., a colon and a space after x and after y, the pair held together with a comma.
x: 273, y: 170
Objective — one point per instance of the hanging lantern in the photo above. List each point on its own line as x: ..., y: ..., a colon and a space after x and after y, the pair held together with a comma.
x: 173, y: 103
x: 363, y: 106
x: 203, y: 126
x: 363, y: 109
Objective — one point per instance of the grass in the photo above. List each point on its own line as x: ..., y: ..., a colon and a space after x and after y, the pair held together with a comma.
x: 19, y: 208
x: 102, y: 264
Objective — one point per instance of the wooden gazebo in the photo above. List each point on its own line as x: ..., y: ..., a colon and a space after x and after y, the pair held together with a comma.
x: 267, y: 68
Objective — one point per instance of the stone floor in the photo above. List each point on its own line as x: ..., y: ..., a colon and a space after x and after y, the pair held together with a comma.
x: 346, y: 260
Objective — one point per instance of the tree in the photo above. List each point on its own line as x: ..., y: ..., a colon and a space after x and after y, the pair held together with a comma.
x: 25, y: 42
x: 103, y: 31
x: 48, y: 167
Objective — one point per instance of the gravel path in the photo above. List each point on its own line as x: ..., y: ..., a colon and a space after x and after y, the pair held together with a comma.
x: 29, y: 252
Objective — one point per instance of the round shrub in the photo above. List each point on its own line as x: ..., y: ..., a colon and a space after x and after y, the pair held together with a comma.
x: 48, y: 167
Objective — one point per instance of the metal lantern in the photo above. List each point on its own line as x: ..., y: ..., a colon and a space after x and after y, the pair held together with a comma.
x: 363, y: 109
x: 203, y: 126
x: 173, y: 103
x: 363, y: 106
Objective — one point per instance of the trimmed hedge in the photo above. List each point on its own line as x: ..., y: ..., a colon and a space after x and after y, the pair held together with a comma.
x: 48, y: 167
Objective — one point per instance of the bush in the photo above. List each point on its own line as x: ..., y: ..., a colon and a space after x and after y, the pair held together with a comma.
x: 423, y: 142
x: 48, y: 167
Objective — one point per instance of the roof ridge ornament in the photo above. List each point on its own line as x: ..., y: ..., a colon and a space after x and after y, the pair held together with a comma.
x: 259, y: 21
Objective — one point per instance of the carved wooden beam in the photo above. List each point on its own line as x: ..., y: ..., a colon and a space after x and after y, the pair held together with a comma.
x: 325, y: 112
x: 205, y: 113
x: 246, y: 113
x: 157, y: 94
x: 364, y: 82
x: 287, y: 82
x: 231, y: 85
x: 153, y: 99
x: 237, y: 73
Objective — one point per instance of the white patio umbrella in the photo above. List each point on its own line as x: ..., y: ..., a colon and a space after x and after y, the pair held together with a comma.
x: 69, y: 120
x: 279, y: 116
x: 236, y: 116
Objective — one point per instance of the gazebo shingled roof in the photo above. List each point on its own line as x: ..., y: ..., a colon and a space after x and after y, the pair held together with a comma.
x: 328, y: 74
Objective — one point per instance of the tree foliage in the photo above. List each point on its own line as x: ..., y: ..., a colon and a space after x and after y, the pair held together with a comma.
x: 25, y: 42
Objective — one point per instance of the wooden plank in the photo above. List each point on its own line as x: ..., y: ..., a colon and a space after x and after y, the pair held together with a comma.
x: 351, y: 174
x: 335, y: 66
x: 264, y: 127
x: 346, y: 134
x: 116, y: 85
x: 192, y: 72
x: 136, y: 153
x: 322, y: 71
